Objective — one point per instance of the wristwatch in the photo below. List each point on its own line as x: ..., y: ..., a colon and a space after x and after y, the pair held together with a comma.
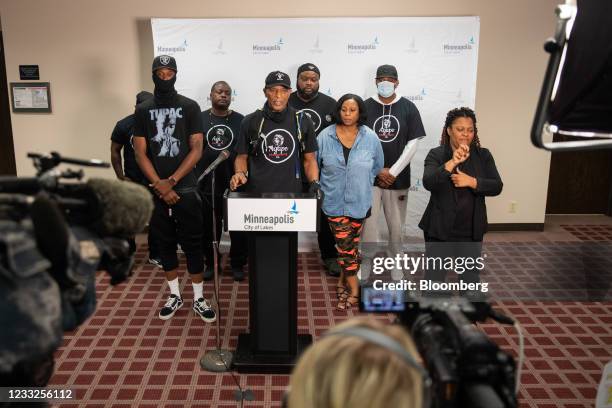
x: 172, y: 181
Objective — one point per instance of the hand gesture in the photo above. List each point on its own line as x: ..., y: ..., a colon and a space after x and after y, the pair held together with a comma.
x: 237, y: 180
x: 463, y: 180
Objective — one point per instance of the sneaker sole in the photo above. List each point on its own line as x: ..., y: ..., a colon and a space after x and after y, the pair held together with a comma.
x: 204, y: 318
x: 171, y: 314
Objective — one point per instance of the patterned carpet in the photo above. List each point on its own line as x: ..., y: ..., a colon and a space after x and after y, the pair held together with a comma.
x: 124, y: 356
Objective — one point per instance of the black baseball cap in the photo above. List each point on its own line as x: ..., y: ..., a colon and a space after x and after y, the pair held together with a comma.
x: 308, y: 67
x: 278, y: 78
x: 164, y: 61
x: 388, y: 71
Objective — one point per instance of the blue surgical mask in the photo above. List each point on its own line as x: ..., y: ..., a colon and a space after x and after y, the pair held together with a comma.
x: 386, y: 88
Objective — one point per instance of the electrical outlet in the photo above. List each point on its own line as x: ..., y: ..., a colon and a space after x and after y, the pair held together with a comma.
x: 513, y: 207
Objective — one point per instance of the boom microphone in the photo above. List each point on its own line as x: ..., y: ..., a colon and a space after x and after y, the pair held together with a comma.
x: 125, y: 208
x: 222, y: 157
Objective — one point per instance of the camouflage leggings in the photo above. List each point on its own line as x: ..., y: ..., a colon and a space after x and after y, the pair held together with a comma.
x: 347, y: 233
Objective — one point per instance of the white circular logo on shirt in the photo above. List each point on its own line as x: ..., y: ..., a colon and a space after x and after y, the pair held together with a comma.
x: 278, y: 146
x: 387, y: 128
x: 219, y: 137
x: 313, y: 116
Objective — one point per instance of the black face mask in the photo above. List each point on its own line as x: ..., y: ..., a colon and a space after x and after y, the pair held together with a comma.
x: 164, y: 89
x: 274, y: 116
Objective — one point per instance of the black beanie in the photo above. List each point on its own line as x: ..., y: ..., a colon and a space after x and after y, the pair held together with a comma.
x: 308, y: 67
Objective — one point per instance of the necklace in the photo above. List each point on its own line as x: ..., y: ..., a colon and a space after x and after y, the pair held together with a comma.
x: 210, y: 117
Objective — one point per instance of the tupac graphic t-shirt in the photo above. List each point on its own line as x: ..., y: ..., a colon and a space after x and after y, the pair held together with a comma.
x: 220, y: 133
x: 395, y: 124
x: 167, y: 127
x: 320, y: 109
x: 122, y: 134
x: 275, y: 165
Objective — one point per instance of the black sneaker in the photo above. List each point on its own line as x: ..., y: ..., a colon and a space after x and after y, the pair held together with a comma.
x: 209, y: 273
x: 173, y: 304
x: 156, y: 262
x: 202, y: 308
x: 238, y: 273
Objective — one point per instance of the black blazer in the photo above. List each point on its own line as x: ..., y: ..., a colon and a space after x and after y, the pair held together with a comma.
x: 439, y: 216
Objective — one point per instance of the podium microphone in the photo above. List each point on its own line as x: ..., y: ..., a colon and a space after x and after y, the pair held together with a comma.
x: 224, y: 155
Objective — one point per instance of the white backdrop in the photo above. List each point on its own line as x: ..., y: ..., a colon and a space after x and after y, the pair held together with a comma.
x: 436, y: 58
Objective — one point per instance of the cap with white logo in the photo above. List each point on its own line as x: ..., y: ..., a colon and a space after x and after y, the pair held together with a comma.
x: 278, y: 78
x: 164, y: 61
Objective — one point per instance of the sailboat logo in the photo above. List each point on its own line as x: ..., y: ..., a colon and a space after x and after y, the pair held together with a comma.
x: 293, y: 210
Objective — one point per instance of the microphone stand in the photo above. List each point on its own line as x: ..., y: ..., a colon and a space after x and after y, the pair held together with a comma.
x: 217, y: 360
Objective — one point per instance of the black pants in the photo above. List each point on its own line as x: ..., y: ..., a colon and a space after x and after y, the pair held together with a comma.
x: 327, y: 243
x: 153, y: 250
x: 239, y: 245
x: 179, y: 224
x: 454, y: 247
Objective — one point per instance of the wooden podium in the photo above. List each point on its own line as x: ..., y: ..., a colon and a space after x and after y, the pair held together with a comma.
x: 272, y: 221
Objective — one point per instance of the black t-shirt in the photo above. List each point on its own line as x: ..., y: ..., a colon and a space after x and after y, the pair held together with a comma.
x: 276, y: 168
x: 167, y: 127
x: 122, y: 134
x: 220, y: 133
x: 346, y: 151
x: 320, y: 109
x: 464, y: 216
x: 395, y: 125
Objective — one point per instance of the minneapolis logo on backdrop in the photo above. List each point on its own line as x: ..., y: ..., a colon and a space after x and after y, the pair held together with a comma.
x: 268, y: 48
x: 219, y: 50
x: 182, y: 47
x: 459, y: 98
x: 458, y: 48
x: 418, y: 97
x: 412, y: 47
x: 363, y: 47
x: 316, y: 47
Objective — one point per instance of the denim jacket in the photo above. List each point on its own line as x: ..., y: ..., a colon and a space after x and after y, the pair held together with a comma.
x: 348, y: 187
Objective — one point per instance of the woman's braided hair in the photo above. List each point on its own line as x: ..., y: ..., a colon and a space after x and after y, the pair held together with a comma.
x: 462, y: 112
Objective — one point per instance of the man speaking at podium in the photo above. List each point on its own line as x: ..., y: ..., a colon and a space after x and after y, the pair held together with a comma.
x: 273, y: 144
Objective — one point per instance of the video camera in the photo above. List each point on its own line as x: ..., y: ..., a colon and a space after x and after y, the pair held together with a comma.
x: 56, y: 231
x: 466, y: 368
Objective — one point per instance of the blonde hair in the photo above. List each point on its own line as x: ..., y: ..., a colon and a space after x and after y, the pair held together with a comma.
x: 350, y: 372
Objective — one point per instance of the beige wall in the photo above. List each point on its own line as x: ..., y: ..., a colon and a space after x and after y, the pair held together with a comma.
x: 97, y: 54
